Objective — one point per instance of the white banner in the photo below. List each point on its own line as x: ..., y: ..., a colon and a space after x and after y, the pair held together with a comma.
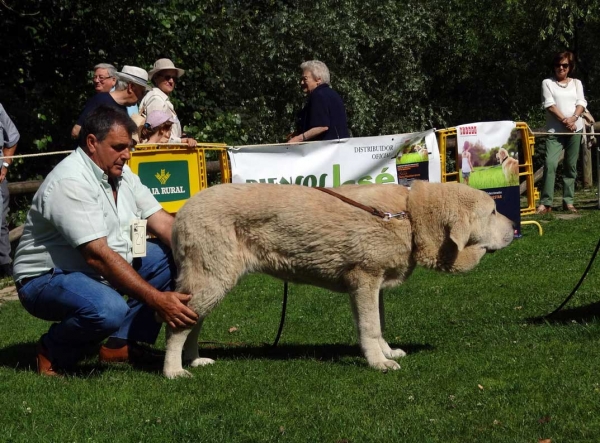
x: 332, y: 163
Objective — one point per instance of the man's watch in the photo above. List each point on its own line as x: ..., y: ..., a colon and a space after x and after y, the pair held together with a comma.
x: 5, y: 164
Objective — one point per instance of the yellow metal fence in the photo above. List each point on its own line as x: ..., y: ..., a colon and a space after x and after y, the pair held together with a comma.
x: 526, y: 171
x: 175, y: 172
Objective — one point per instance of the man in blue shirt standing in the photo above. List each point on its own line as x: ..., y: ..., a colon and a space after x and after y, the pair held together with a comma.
x: 9, y: 137
x: 324, y: 116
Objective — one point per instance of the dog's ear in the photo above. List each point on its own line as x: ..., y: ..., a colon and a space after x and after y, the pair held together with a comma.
x: 459, y: 233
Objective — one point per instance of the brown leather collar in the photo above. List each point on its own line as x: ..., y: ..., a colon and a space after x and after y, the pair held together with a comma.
x: 371, y: 210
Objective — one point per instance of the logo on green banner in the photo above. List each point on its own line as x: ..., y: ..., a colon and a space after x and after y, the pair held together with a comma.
x: 168, y: 181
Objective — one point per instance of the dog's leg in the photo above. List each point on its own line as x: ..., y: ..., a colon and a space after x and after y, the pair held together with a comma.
x: 385, y: 347
x: 365, y: 306
x: 190, y: 349
x: 173, y: 367
x: 390, y: 352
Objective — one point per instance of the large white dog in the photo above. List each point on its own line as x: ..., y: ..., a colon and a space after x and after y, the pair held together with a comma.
x: 304, y: 235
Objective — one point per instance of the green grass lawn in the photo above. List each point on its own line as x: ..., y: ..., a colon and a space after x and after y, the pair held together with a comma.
x: 489, y: 177
x: 482, y: 365
x: 411, y: 157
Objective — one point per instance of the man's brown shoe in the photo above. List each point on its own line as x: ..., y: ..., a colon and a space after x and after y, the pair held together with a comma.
x: 118, y: 355
x: 44, y: 365
x: 130, y: 353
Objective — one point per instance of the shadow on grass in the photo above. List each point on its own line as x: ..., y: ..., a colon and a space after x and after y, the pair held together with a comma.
x: 21, y: 357
x: 580, y: 314
x: 329, y: 352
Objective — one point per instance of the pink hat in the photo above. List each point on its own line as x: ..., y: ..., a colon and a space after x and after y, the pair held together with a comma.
x: 157, y: 118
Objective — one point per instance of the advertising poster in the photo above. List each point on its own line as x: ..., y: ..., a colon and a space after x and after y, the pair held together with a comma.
x: 419, y: 159
x: 488, y: 160
x: 330, y: 163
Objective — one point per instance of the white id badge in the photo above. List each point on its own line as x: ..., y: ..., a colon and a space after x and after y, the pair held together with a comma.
x: 138, y: 238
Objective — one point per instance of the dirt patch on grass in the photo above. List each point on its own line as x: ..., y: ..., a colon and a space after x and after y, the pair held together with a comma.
x: 8, y: 293
x: 567, y: 216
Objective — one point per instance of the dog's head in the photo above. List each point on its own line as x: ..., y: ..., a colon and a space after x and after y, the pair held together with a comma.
x: 501, y: 154
x: 454, y: 225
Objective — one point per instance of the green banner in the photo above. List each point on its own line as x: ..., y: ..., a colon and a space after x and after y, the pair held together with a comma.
x: 168, y: 181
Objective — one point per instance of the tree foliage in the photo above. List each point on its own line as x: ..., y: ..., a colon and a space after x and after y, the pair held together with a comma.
x: 400, y: 66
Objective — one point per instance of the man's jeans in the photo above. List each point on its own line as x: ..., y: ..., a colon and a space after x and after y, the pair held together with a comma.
x: 89, y: 311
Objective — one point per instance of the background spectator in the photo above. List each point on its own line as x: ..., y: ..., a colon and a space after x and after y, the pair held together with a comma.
x: 157, y: 128
x: 324, y: 116
x: 164, y: 75
x: 105, y: 77
x: 131, y: 87
x: 564, y: 102
x: 9, y: 137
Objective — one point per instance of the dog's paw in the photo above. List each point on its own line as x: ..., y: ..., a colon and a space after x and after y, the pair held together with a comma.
x: 386, y: 365
x: 201, y: 362
x: 181, y: 373
x: 396, y: 353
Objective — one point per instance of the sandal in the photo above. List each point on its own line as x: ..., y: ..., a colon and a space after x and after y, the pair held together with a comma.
x: 570, y: 208
x: 543, y: 209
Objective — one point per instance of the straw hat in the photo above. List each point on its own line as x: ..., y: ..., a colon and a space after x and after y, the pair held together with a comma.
x: 164, y: 64
x: 135, y: 75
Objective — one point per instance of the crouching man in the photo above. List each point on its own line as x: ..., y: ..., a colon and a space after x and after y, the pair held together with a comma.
x: 74, y: 261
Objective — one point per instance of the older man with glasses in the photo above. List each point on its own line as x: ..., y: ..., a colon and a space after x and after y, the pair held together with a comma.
x: 131, y: 87
x: 105, y: 77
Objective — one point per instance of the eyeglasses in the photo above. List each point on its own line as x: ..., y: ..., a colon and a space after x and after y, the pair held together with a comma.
x: 561, y: 65
x: 100, y: 78
x: 169, y: 77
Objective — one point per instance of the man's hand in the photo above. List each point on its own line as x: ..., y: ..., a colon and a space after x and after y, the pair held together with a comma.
x: 172, y: 308
x: 296, y: 139
x: 75, y: 131
x: 308, y: 135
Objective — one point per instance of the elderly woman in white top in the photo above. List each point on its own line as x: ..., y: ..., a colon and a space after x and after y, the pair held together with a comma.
x: 564, y: 103
x: 164, y: 75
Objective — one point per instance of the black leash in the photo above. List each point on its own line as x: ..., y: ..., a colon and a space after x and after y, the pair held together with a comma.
x: 585, y: 273
x: 562, y: 305
x: 370, y: 210
x: 283, y: 309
